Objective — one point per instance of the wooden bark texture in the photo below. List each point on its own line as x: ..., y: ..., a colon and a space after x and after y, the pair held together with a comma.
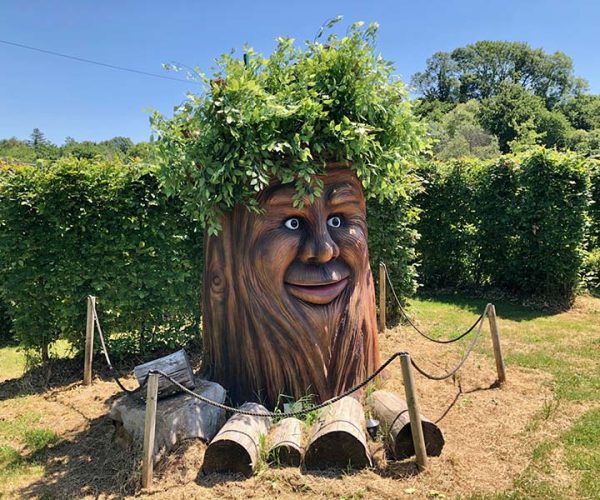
x: 392, y: 412
x: 339, y: 439
x: 236, y: 448
x: 178, y: 417
x: 286, y: 442
x: 176, y: 365
x: 261, y: 342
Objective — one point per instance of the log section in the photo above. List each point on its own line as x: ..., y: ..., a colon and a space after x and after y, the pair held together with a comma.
x: 392, y: 412
x: 236, y: 448
x: 285, y: 443
x: 339, y: 439
x: 176, y: 365
x: 178, y: 418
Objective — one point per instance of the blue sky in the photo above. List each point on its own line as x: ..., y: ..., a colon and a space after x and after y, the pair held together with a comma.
x: 68, y: 98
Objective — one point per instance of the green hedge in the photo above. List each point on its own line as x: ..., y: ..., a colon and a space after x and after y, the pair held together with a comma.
x: 595, y: 204
x: 517, y: 224
x: 75, y: 228
x: 392, y: 239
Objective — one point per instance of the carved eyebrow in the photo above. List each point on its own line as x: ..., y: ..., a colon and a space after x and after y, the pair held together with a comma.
x: 280, y: 196
x: 343, y: 193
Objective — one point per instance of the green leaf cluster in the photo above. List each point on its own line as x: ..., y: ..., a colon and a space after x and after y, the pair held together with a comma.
x: 283, y: 118
x: 77, y: 227
x: 518, y: 224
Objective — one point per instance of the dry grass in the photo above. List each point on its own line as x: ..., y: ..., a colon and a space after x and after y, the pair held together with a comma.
x: 499, y: 442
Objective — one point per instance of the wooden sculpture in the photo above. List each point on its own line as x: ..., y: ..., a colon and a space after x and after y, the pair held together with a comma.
x: 289, y: 302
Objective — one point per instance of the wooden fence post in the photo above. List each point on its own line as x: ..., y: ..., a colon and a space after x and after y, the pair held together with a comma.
x: 149, y: 430
x: 416, y: 427
x: 496, y: 343
x: 382, y: 280
x: 89, y: 341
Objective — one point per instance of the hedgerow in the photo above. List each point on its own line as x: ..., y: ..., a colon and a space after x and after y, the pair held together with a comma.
x: 517, y: 224
x: 77, y: 227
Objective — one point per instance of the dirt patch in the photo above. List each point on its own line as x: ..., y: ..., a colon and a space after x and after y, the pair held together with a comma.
x: 490, y: 434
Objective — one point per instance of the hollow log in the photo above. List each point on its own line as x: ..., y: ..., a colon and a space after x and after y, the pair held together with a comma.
x: 339, y: 439
x: 288, y: 298
x: 392, y: 412
x: 237, y: 446
x: 178, y: 418
x: 285, y: 442
x: 176, y: 365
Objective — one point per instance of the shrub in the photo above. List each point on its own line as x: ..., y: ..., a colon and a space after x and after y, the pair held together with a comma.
x: 74, y: 228
x: 6, y: 329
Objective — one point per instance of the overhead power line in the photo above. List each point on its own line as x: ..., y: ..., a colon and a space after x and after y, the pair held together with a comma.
x: 97, y: 63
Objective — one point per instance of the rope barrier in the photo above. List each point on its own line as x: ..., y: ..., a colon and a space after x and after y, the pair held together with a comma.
x: 320, y: 406
x: 206, y: 400
x: 112, y: 369
x: 411, y: 323
x: 463, y: 359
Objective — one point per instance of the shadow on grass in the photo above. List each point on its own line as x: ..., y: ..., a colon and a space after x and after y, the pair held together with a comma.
x: 55, y: 374
x: 87, y: 464
x: 62, y: 372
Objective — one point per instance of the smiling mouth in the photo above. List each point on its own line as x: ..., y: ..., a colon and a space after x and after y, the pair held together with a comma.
x: 320, y: 293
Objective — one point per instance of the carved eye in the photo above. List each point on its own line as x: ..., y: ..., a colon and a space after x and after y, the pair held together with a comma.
x: 334, y: 221
x: 292, y: 223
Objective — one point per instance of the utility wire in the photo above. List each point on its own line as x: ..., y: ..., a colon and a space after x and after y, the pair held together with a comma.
x: 90, y: 61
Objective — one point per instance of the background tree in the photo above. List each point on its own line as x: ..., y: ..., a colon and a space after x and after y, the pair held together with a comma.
x: 514, y: 112
x: 458, y: 134
x: 479, y: 71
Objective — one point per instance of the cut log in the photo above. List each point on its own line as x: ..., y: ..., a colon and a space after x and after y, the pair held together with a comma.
x: 237, y: 446
x: 176, y: 365
x: 285, y: 443
x: 339, y: 439
x: 177, y: 418
x: 392, y: 412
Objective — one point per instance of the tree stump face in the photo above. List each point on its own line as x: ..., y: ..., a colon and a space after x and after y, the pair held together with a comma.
x: 289, y: 302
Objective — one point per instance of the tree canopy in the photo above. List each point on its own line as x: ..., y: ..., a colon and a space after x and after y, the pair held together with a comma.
x: 479, y: 70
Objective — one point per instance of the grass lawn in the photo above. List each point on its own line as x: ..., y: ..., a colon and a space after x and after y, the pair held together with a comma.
x: 558, y: 450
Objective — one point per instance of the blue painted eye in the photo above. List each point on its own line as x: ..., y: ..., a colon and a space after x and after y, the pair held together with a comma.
x: 292, y: 223
x: 334, y: 221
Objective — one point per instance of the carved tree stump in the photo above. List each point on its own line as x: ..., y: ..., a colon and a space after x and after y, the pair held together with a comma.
x: 392, y: 411
x: 285, y: 442
x: 288, y: 300
x: 178, y: 418
x: 236, y: 448
x: 339, y: 440
x: 176, y: 365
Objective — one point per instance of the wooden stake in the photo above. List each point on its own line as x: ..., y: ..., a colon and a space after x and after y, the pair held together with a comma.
x: 382, y: 278
x: 89, y: 341
x: 496, y: 343
x: 149, y: 430
x: 414, y: 413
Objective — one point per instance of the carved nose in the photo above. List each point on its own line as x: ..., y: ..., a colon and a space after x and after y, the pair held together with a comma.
x: 319, y: 248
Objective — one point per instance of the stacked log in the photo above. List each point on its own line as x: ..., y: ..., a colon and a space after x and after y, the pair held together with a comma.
x: 237, y: 446
x: 285, y: 443
x: 392, y: 412
x: 176, y: 365
x: 339, y: 438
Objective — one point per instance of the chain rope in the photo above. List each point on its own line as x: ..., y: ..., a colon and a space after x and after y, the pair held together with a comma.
x: 411, y: 323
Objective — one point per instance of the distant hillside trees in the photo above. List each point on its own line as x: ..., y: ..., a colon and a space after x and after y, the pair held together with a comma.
x: 524, y: 97
x: 38, y: 147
